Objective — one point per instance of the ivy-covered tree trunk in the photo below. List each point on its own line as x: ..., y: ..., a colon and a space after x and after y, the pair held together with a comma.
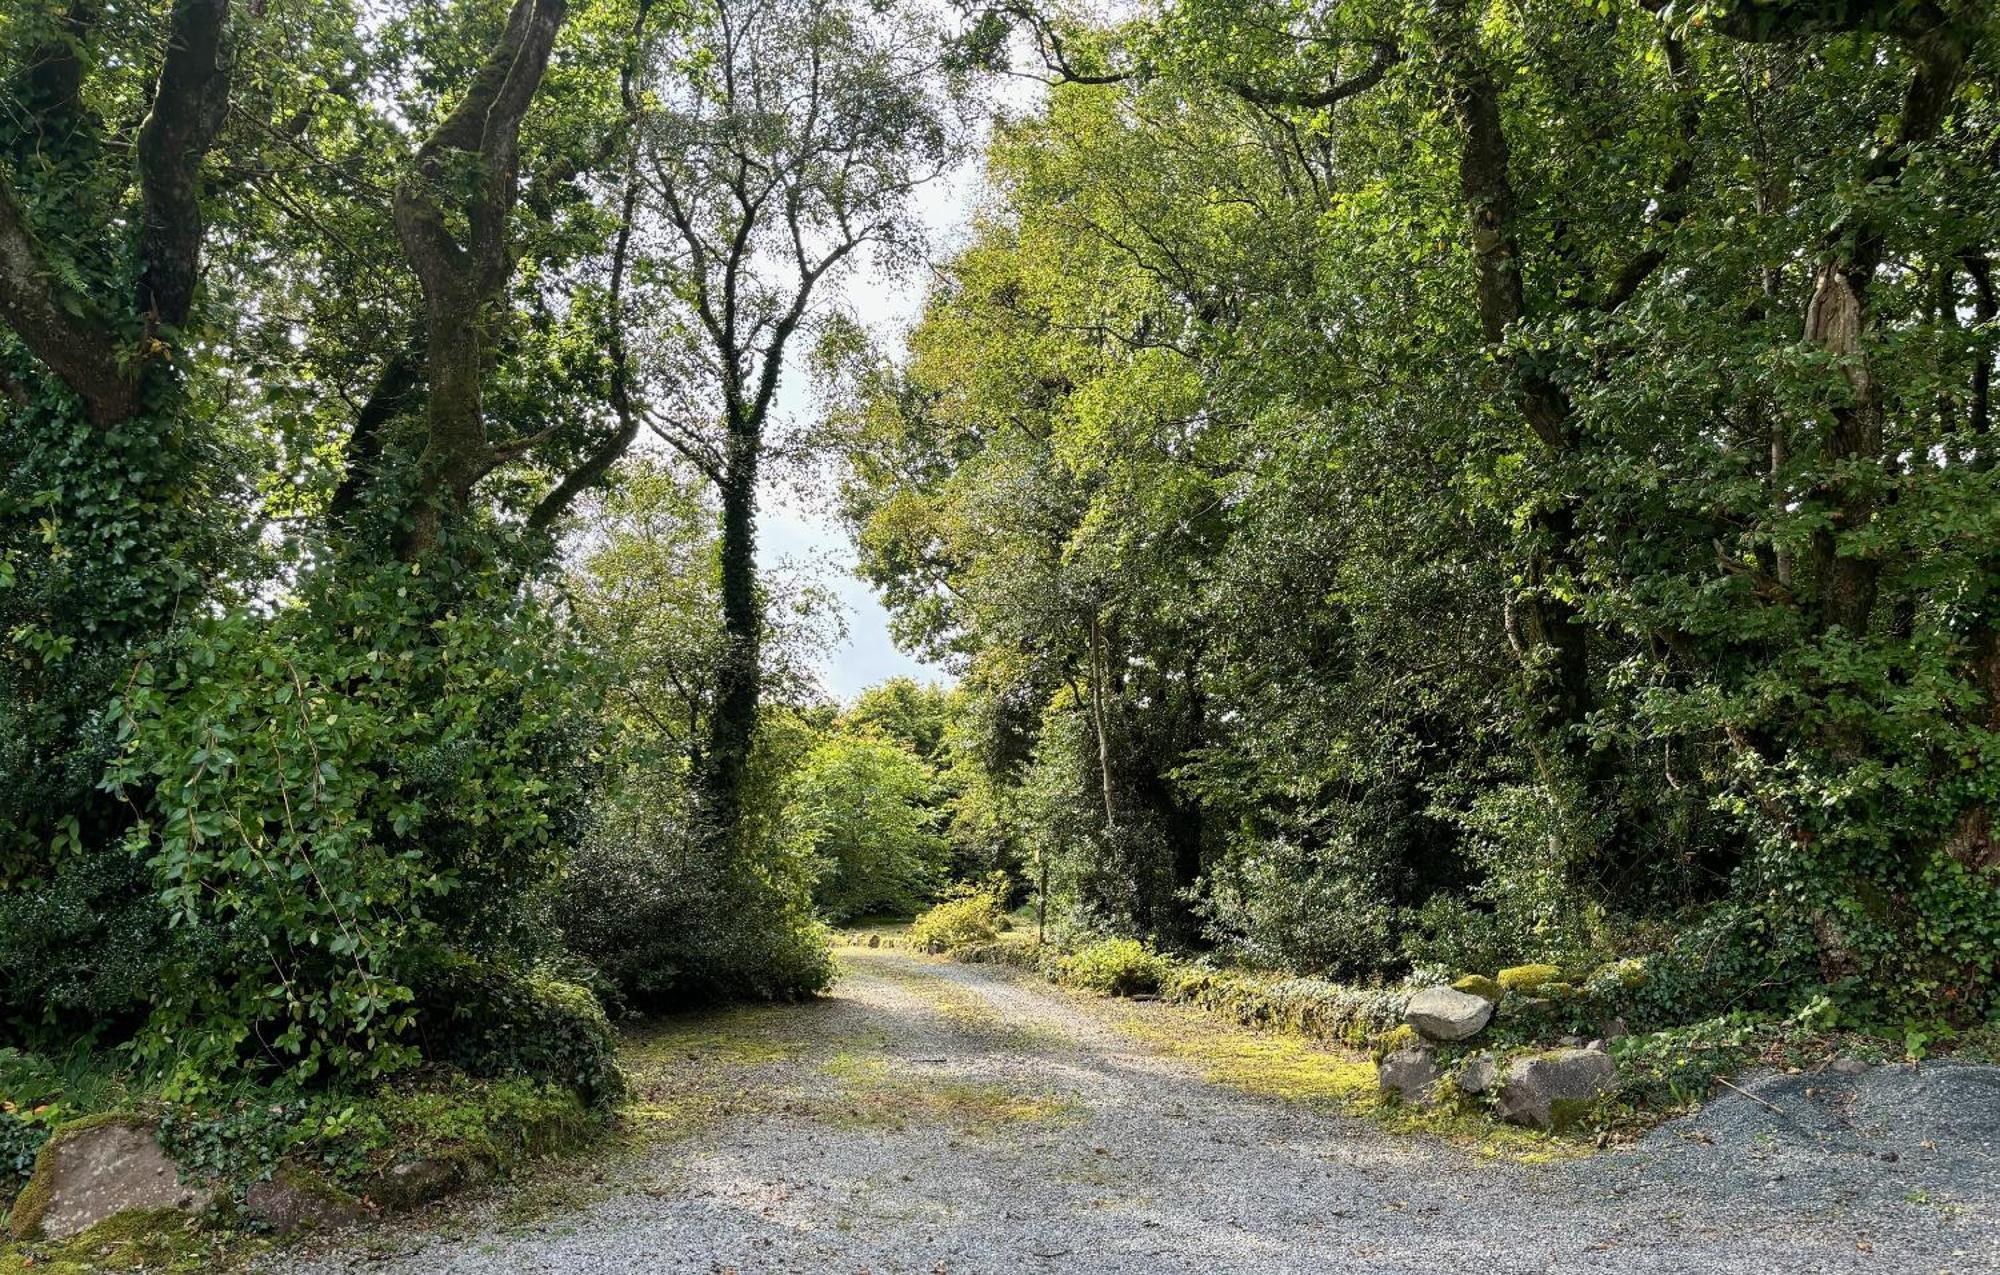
x: 732, y: 728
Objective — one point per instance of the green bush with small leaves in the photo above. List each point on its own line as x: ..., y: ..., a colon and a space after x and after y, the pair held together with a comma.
x: 494, y: 1021
x: 1114, y: 967
x: 968, y: 914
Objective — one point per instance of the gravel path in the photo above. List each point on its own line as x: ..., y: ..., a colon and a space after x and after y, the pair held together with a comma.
x: 932, y: 1117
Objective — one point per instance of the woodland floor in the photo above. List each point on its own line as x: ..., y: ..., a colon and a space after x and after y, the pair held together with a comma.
x: 936, y: 1117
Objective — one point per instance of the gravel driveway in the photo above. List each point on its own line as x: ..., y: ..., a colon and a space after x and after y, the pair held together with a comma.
x: 934, y: 1117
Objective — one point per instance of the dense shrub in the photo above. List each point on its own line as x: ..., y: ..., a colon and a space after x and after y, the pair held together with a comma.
x: 968, y: 914
x: 385, y: 768
x: 494, y: 1021
x: 1280, y: 905
x: 668, y: 920
x: 1114, y: 967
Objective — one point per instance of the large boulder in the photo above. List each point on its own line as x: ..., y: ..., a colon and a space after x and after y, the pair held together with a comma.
x: 1408, y: 1074
x: 1443, y: 1014
x: 1553, y: 1090
x: 95, y: 1169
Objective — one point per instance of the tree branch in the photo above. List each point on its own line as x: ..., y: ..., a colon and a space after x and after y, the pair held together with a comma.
x: 1385, y: 54
x: 59, y: 327
x: 396, y: 388
x: 1671, y: 204
x: 599, y: 462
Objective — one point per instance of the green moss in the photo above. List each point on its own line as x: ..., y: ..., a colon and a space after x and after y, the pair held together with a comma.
x: 141, y: 1239
x: 1619, y: 975
x: 873, y: 1096
x: 1566, y: 1114
x: 1481, y: 986
x: 1404, y: 1037
x: 1527, y: 978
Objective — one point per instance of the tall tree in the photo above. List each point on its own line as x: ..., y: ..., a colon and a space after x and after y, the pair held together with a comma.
x: 784, y: 137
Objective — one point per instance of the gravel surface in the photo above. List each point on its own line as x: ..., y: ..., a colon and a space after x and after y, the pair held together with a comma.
x: 933, y: 1117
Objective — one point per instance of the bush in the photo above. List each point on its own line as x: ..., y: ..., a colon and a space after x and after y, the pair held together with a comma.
x: 1114, y: 967
x: 862, y: 809
x: 968, y: 914
x: 382, y: 770
x: 670, y: 919
x: 494, y: 1021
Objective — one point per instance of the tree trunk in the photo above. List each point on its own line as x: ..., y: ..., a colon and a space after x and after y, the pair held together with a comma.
x: 732, y: 725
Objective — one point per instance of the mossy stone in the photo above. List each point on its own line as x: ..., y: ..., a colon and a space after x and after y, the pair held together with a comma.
x: 1528, y: 978
x: 1481, y: 986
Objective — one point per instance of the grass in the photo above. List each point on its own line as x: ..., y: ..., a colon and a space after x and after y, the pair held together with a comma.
x: 873, y: 1095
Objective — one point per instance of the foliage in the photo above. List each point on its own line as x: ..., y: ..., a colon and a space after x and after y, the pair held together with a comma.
x: 666, y: 916
x: 665, y: 921
x: 330, y: 794
x: 1396, y: 535
x: 1113, y: 967
x: 493, y: 1021
x: 859, y: 808
x: 967, y: 914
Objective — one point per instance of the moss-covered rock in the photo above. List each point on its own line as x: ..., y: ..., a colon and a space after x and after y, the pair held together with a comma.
x: 293, y: 1199
x: 96, y: 1168
x: 1615, y: 976
x: 1527, y: 978
x: 1403, y: 1037
x: 1481, y: 986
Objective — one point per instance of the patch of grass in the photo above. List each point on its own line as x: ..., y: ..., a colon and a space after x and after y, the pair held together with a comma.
x: 1292, y: 1068
x: 1270, y: 1066
x: 873, y: 1096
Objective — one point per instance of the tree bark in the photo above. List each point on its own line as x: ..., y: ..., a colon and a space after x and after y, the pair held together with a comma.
x: 464, y: 283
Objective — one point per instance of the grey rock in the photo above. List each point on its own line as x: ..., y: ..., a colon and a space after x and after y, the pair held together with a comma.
x: 1477, y: 1074
x: 292, y: 1202
x: 1445, y: 1014
x: 414, y: 1182
x: 1599, y: 1046
x: 1616, y: 1030
x: 1538, y: 1089
x: 1407, y: 1073
x: 1848, y: 1067
x: 84, y: 1176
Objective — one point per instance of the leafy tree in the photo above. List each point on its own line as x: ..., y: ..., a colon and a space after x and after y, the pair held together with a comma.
x: 861, y: 808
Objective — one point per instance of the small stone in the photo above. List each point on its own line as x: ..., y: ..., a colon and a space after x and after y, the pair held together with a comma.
x: 1599, y: 1046
x: 1477, y: 1074
x: 1545, y: 1090
x: 1616, y: 1030
x: 414, y: 1182
x: 1848, y: 1067
x: 292, y: 1201
x: 874, y: 940
x: 1446, y: 1015
x: 1407, y: 1073
x: 1890, y: 1157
